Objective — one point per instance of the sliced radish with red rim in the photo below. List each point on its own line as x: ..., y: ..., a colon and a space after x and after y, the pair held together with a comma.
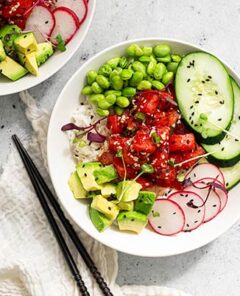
x: 79, y: 7
x: 194, y: 215
x: 41, y: 19
x: 66, y: 24
x: 204, y: 170
x: 211, y: 199
x: 166, y: 218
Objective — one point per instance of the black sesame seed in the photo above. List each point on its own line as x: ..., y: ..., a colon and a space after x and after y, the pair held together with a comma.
x: 28, y: 49
x: 222, y: 149
x: 236, y: 140
x: 200, y: 124
x: 219, y: 119
x: 207, y: 80
x: 2, y: 126
x: 239, y: 117
x: 195, y: 221
x: 192, y: 122
x: 227, y: 184
x: 221, y: 102
x: 197, y: 102
x: 109, y: 208
x: 46, y: 22
x: 159, y: 227
x: 191, y: 107
x: 85, y: 175
x: 96, y: 178
x: 82, y: 104
x: 188, y: 66
x: 216, y: 92
x: 187, y: 225
x: 199, y: 211
x: 181, y: 194
x: 199, y: 94
x: 186, y: 195
x: 193, y: 114
x: 194, y: 175
x: 203, y: 81
x: 188, y: 80
x: 210, y: 77
x: 91, y: 116
x: 214, y: 206
x: 132, y: 219
x: 14, y: 106
x: 174, y: 213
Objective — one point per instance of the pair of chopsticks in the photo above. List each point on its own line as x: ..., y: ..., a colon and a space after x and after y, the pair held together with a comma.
x: 44, y: 194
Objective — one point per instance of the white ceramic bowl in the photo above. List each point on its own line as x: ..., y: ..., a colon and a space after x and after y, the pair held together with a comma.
x: 61, y: 165
x: 54, y: 64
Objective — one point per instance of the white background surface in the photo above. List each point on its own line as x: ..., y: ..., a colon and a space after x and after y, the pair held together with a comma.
x: 213, y: 270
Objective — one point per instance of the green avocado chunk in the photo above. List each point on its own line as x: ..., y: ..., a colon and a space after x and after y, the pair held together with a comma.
x: 2, y: 52
x: 109, y: 189
x: 44, y: 52
x: 8, y: 34
x: 11, y: 69
x: 85, y: 173
x: 76, y: 186
x: 100, y: 221
x: 25, y: 43
x: 104, y: 206
x: 145, y: 202
x: 132, y: 221
x: 130, y: 190
x: 126, y: 206
x: 105, y: 174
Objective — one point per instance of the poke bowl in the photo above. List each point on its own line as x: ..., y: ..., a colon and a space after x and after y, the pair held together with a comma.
x: 38, y: 37
x: 143, y: 147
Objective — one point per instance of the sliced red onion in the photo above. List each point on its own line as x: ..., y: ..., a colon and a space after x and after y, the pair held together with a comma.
x: 95, y: 137
x: 72, y: 126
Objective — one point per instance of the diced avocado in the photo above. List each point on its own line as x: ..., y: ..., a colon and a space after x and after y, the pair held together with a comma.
x: 25, y: 43
x: 107, y: 208
x: 109, y: 189
x: 31, y: 63
x: 2, y: 52
x: 126, y: 206
x: 105, y: 174
x: 85, y: 173
x: 21, y: 58
x: 132, y: 221
x: 8, y: 34
x: 100, y: 221
x: 76, y: 186
x: 43, y: 53
x: 145, y: 202
x: 130, y: 189
x: 12, y: 69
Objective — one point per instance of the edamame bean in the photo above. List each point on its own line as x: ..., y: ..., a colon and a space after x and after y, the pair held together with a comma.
x: 176, y: 58
x: 102, y: 112
x: 161, y: 50
x: 96, y: 98
x: 134, y: 50
x: 96, y: 88
x: 115, y: 72
x: 158, y: 85
x: 123, y: 62
x: 144, y: 84
x: 159, y: 70
x: 147, y: 50
x: 103, y: 104
x: 122, y: 102
x: 117, y: 93
x: 144, y: 59
x: 91, y: 76
x: 118, y: 110
x: 151, y: 66
x: 117, y: 82
x: 172, y: 67
x: 103, y: 81
x: 165, y: 59
x: 136, y: 78
x: 113, y: 63
x: 167, y: 77
x: 87, y: 90
x: 126, y: 74
x: 105, y: 70
x: 129, y: 92
x: 111, y: 99
x: 139, y: 67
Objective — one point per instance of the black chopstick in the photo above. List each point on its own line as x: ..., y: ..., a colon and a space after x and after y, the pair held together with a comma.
x: 30, y: 166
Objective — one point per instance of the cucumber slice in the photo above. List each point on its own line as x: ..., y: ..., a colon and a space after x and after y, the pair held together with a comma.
x: 228, y: 150
x: 204, y: 95
x: 231, y: 175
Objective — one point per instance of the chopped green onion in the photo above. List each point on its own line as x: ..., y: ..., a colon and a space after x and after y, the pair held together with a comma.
x: 203, y: 116
x: 171, y: 162
x: 147, y: 168
x: 119, y: 153
x: 60, y: 43
x: 80, y: 142
x: 156, y: 138
x: 180, y: 177
x: 140, y: 116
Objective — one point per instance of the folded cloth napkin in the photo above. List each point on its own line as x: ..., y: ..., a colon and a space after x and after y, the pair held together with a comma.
x: 31, y: 262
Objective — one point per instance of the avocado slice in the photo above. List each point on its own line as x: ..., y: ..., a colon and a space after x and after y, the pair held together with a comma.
x: 145, y: 202
x: 132, y: 221
x: 12, y: 69
x: 85, y: 173
x: 2, y: 52
x: 31, y: 63
x: 43, y: 53
x: 107, y: 208
x: 8, y: 34
x: 130, y: 189
x: 108, y: 189
x: 100, y: 221
x: 76, y: 186
x: 126, y: 206
x: 25, y: 43
x: 105, y: 174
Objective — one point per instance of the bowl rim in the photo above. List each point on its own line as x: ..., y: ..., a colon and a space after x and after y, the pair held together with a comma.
x: 52, y: 118
x: 58, y: 67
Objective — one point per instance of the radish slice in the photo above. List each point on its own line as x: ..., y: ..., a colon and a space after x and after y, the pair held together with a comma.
x: 41, y: 19
x: 66, y: 24
x: 194, y: 216
x: 204, y: 170
x: 222, y: 193
x: 212, y: 204
x: 79, y: 7
x: 166, y: 218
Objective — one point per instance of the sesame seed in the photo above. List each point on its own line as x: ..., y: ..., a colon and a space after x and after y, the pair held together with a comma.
x: 219, y: 119
x: 216, y: 92
x: 199, y: 94
x: 188, y: 80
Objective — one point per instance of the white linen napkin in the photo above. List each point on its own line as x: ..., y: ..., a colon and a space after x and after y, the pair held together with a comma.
x: 31, y: 262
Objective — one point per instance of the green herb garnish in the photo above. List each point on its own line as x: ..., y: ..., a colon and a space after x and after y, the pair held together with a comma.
x: 156, y: 138
x: 156, y: 214
x: 60, y: 43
